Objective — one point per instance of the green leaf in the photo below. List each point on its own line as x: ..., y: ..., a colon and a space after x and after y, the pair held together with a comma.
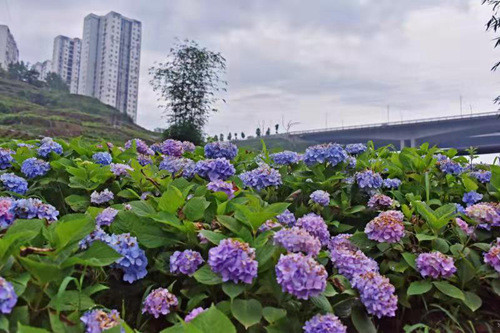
x: 42, y: 271
x: 419, y: 287
x: 208, y: 320
x: 449, y: 290
x: 78, y: 203
x: 361, y: 320
x: 171, y: 200
x: 495, y: 285
x: 20, y: 283
x: 465, y: 271
x: 205, y: 276
x: 472, y: 300
x: 410, y: 259
x: 28, y: 329
x: 247, y: 312
x: 142, y: 208
x: 72, y: 300
x: 71, y: 229
x: 195, y: 208
x: 214, y: 237
x: 360, y: 239
x: 273, y: 314
x: 322, y: 303
x: 233, y: 289
x: 424, y: 237
x: 97, y: 255
x: 469, y: 184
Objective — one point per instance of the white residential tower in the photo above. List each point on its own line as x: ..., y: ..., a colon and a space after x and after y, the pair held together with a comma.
x: 43, y: 69
x: 8, y: 48
x: 66, y: 60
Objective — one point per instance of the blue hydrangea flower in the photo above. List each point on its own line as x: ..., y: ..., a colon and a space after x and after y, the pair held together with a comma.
x: 47, y: 146
x: 7, y: 215
x: 97, y: 235
x: 13, y: 183
x: 286, y: 218
x: 106, y: 217
x: 8, y: 297
x: 332, y: 153
x: 188, y: 146
x: 98, y: 321
x: 226, y: 150
x: 368, y: 179
x: 392, y: 183
x: 328, y: 323
x: 185, y: 262
x: 102, y: 158
x: 213, y: 169
x: 355, y: 148
x: 101, y: 197
x: 482, y: 176
x: 172, y: 164
x: 6, y: 158
x: 47, y: 212
x: 33, y: 167
x: 285, y: 157
x: 261, y: 177
x: 320, y: 197
x: 471, y: 198
x: 133, y: 262
x: 233, y: 260
x: 450, y: 167
x: 144, y: 159
x: 159, y: 302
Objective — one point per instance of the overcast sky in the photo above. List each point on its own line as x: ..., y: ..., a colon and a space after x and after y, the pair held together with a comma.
x: 315, y: 62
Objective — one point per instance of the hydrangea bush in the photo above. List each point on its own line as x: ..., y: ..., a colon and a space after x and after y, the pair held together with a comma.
x: 168, y: 237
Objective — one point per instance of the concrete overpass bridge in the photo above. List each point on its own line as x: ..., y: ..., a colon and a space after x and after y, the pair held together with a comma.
x: 481, y: 130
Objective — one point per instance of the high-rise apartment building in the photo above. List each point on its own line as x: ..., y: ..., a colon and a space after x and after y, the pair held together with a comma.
x: 8, y: 48
x: 110, y: 60
x: 43, y: 69
x: 66, y: 60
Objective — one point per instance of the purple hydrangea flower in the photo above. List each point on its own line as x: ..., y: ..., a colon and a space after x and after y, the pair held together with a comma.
x: 297, y: 240
x: 213, y: 169
x: 320, y: 197
x: 144, y: 159
x: 261, y: 177
x: 482, y: 176
x: 222, y: 186
x: 315, y: 225
x: 8, y: 297
x: 159, y: 302
x: 106, y: 217
x: 300, y: 275
x: 487, y: 214
x: 328, y: 323
x: 355, y: 148
x: 492, y: 257
x: 6, y: 158
x: 141, y: 147
x: 7, y: 215
x: 33, y: 167
x: 466, y: 228
x: 101, y: 197
x: 47, y: 212
x: 332, y: 153
x: 178, y: 164
x: 368, y: 179
x: 188, y: 146
x: 120, y: 169
x: 285, y: 157
x: 435, y: 265
x: 391, y: 183
x: 195, y: 312
x: 218, y: 149
x: 234, y: 261
x: 13, y: 183
x: 98, y: 321
x: 47, y: 146
x: 471, y: 198
x: 286, y: 218
x: 185, y: 262
x: 269, y: 225
x: 380, y: 201
x: 376, y: 294
x: 102, y: 158
x: 172, y: 147
x: 386, y: 228
x: 133, y: 262
x: 450, y: 167
x: 96, y: 235
x: 26, y: 208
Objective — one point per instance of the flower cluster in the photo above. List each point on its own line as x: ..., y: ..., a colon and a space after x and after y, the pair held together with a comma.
x: 172, y: 147
x: 195, y: 312
x: 133, y: 261
x: 33, y: 167
x: 8, y: 297
x: 286, y: 218
x: 391, y: 183
x: 368, y: 179
x: 261, y: 177
x: 120, y: 169
x: 159, y: 302
x: 380, y: 201
x: 97, y: 321
x: 7, y: 215
x: 188, y: 146
x: 47, y: 146
x: 376, y: 294
x: 465, y: 227
x: 34, y: 208
x: 140, y: 146
x: 332, y: 153
x: 315, y: 225
x: 213, y: 169
x: 355, y: 148
x: 222, y: 186
x: 435, y: 265
x: 328, y: 323
x: 185, y: 262
x: 386, y: 227
x: 471, y: 198
x: 492, y: 257
x: 178, y: 164
x: 487, y: 214
x: 450, y: 167
x: 349, y: 260
x: 218, y: 149
x: 106, y: 217
x: 269, y: 225
x: 144, y: 159
x: 482, y: 176
x: 285, y: 157
x: 6, y: 158
x: 297, y: 240
x: 234, y: 261
x: 101, y: 197
x: 320, y: 197
x: 301, y: 275
x: 102, y: 158
x: 13, y: 183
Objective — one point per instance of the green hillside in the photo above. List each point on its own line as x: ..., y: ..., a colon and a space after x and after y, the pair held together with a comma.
x: 29, y: 112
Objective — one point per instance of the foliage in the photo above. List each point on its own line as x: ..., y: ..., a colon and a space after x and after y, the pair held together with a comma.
x: 57, y: 279
x: 184, y: 131
x: 493, y: 24
x: 20, y: 71
x: 55, y: 82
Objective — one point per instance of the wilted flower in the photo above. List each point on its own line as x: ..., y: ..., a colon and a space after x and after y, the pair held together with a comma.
x: 185, y: 262
x: 213, y: 169
x: 102, y: 158
x: 355, y: 148
x: 328, y: 323
x: 285, y: 157
x: 217, y: 149
x: 380, y: 201
x: 222, y: 186
x: 377, y: 294
x: 6, y: 158
x: 297, y: 240
x: 368, y: 179
x: 120, y: 169
x: 391, y: 183
x: 471, y: 198
x: 178, y: 164
x: 101, y: 197
x: 159, y: 302
x: 13, y: 183
x: 106, y: 217
x: 33, y: 167
x: 48, y: 145
x: 261, y: 177
x: 300, y: 275
x: 233, y: 260
x: 286, y: 218
x: 195, y: 312
x: 435, y: 265
x: 97, y: 321
x: 8, y: 297
x: 320, y: 197
x: 315, y: 225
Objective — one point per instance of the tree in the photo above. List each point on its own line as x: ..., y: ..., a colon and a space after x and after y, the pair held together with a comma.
x: 188, y: 83
x: 268, y: 132
x: 184, y: 132
x: 493, y: 24
x: 216, y: 138
x: 257, y: 132
x: 235, y: 136
x: 221, y: 137
x: 20, y: 71
x: 229, y: 136
x: 55, y: 82
x: 242, y: 135
x: 277, y: 126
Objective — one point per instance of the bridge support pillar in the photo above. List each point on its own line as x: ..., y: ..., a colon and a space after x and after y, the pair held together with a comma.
x: 401, y: 144
x: 413, y: 143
